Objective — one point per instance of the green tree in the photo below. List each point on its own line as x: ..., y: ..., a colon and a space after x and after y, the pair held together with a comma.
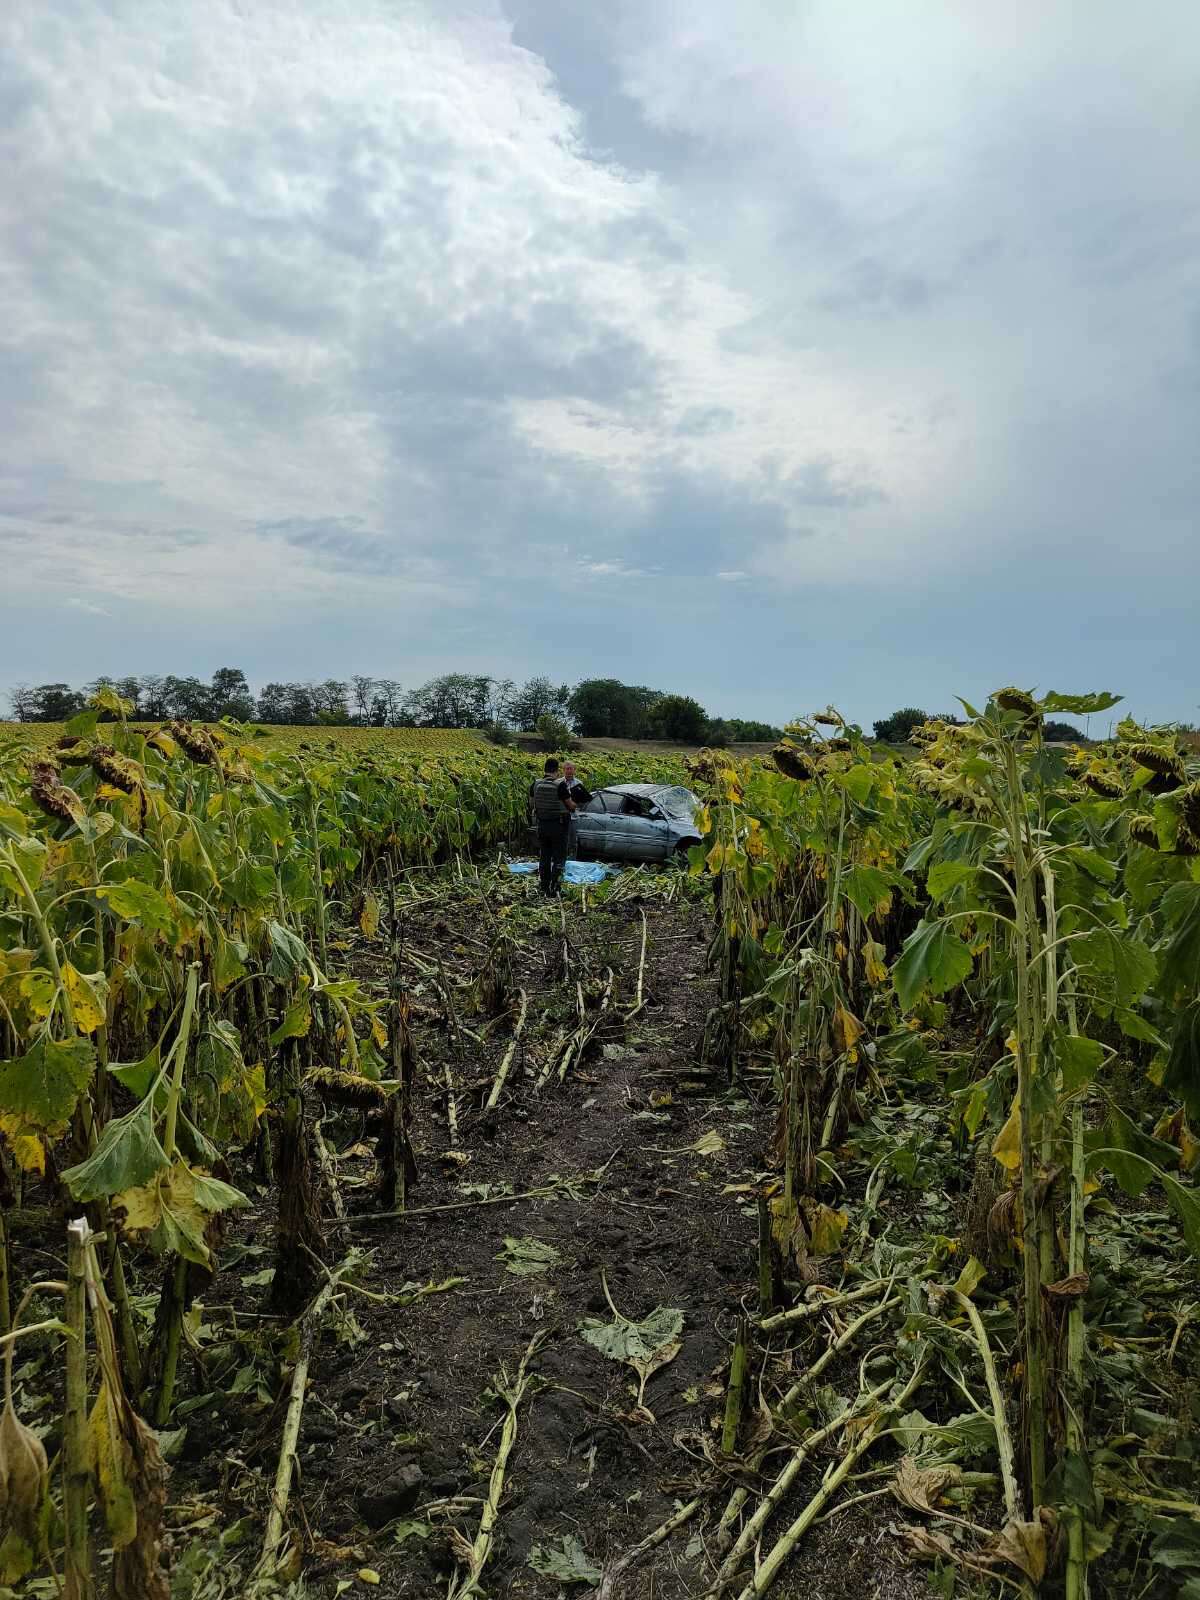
x: 605, y: 708
x: 187, y: 697
x: 152, y: 696
x: 896, y: 728
x: 273, y: 703
x: 455, y: 700
x: 738, y: 730
x: 54, y: 702
x: 229, y: 695
x: 535, y: 699
x: 364, y: 695
x: 24, y: 703
x: 330, y: 700
x: 679, y: 717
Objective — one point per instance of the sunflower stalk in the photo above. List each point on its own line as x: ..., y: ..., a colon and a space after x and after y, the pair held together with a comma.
x: 502, y: 1074
x: 310, y: 1321
x: 475, y: 1556
x: 77, y: 1573
x: 752, y: 1528
x: 766, y: 1573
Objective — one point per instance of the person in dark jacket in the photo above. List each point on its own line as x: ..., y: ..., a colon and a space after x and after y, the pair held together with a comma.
x: 552, y: 808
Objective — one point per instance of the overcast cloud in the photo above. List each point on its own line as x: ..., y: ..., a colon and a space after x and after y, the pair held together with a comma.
x: 777, y: 353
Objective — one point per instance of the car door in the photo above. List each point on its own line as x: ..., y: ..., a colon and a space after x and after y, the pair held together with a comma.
x: 591, y: 825
x: 626, y: 837
x: 660, y: 835
x: 636, y: 837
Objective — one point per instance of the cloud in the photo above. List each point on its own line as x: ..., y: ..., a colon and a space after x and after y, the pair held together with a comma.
x: 614, y: 569
x: 76, y: 603
x: 352, y: 329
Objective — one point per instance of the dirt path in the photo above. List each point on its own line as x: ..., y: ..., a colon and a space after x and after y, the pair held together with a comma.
x: 406, y: 1419
x: 650, y: 1161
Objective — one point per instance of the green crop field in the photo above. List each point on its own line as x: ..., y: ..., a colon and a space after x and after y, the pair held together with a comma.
x: 329, y: 740
x: 850, y: 1168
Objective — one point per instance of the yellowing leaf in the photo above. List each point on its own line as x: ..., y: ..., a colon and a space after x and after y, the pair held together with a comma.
x: 874, y: 963
x: 847, y: 1029
x: 708, y: 1144
x: 40, y: 1090
x: 1024, y: 1544
x: 28, y: 1150
x: 826, y: 1227
x: 175, y: 1208
x: 715, y: 859
x: 379, y: 1033
x: 88, y: 994
x: 1007, y: 1147
x: 39, y: 991
x: 971, y: 1276
x: 368, y: 919
x: 106, y: 1455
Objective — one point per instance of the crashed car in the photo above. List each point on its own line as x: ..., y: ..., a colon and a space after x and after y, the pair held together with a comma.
x: 636, y: 822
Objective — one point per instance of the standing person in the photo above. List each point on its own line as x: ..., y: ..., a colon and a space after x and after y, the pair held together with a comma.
x: 581, y: 796
x: 552, y: 808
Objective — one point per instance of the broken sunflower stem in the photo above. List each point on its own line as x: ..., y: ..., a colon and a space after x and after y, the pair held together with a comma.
x: 475, y: 1556
x: 783, y: 1547
x: 269, y: 1560
x: 505, y: 1065
x: 752, y: 1529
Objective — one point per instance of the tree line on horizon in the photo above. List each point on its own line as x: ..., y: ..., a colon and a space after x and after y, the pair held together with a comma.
x: 897, y: 729
x: 593, y: 708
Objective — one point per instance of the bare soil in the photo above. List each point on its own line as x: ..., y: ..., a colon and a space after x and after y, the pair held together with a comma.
x: 401, y: 1427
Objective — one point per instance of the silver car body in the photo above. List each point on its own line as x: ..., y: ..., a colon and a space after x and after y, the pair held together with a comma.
x: 636, y: 822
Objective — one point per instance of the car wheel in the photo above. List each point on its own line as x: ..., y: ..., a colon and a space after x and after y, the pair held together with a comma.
x: 682, y: 848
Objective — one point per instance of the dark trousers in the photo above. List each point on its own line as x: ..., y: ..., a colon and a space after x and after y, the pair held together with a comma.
x: 553, y: 838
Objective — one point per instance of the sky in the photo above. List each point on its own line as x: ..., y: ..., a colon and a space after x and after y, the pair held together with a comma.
x: 780, y: 353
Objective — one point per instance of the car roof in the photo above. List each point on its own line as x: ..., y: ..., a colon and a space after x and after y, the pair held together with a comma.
x: 651, y: 791
x: 643, y: 789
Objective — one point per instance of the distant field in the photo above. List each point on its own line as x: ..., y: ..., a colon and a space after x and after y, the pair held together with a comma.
x: 651, y: 747
x: 390, y: 739
x: 288, y: 738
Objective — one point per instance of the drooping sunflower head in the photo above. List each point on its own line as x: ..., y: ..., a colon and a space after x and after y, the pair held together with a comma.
x: 1163, y: 763
x: 195, y: 742
x: 793, y: 763
x: 1189, y: 806
x: 116, y: 770
x: 1142, y: 829
x: 1021, y: 700
x: 1106, y: 784
x: 49, y: 792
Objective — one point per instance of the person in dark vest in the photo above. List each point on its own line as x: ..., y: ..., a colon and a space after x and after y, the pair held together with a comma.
x: 552, y: 808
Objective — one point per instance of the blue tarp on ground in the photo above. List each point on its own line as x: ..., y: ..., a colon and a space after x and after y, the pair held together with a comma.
x: 573, y: 872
